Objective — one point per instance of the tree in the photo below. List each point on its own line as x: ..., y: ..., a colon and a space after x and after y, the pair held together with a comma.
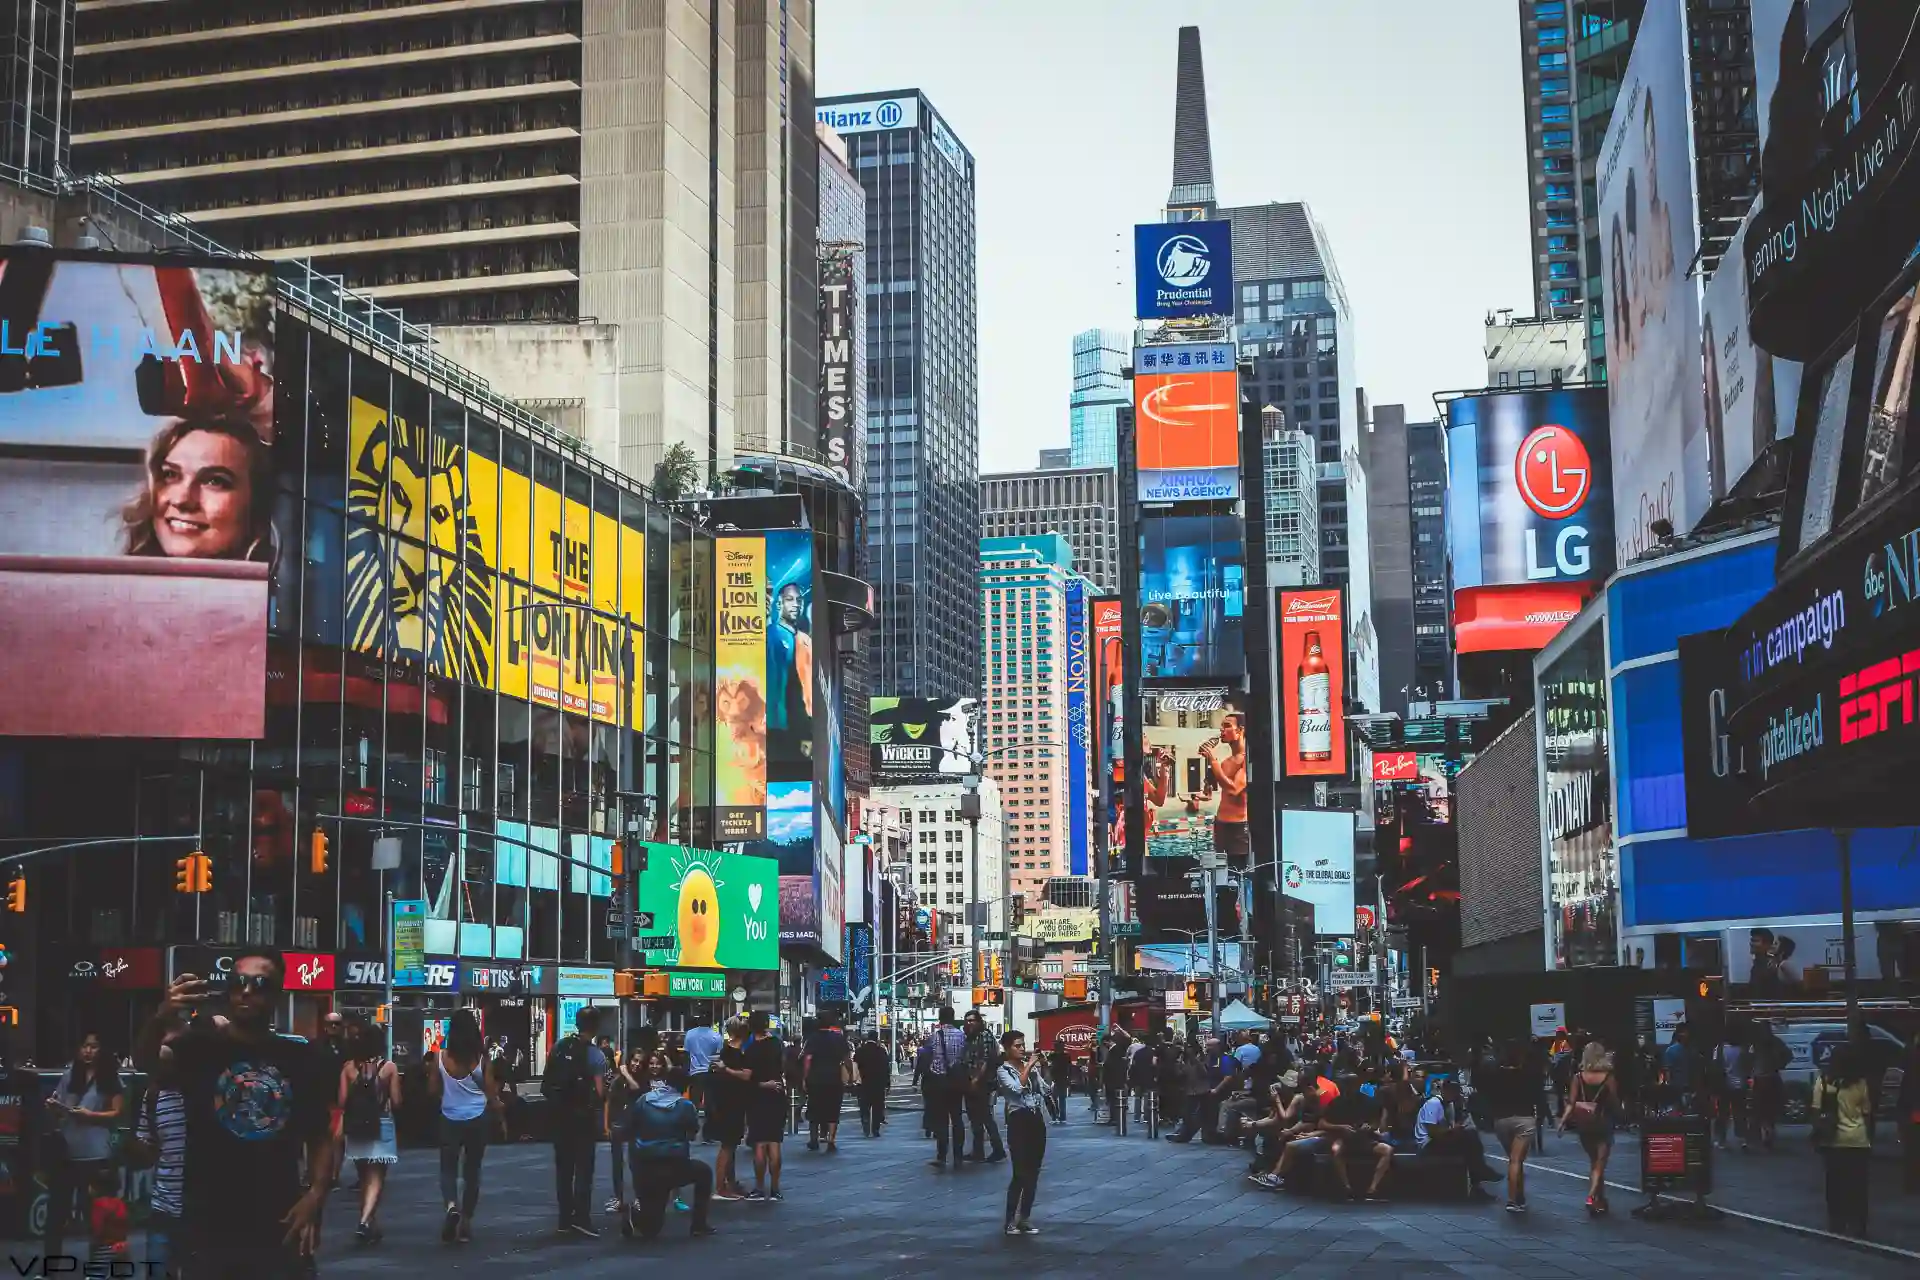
x: 677, y: 474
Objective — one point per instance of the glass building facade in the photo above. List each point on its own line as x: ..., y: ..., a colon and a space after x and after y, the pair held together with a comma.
x: 482, y: 643
x: 923, y: 429
x: 1100, y: 392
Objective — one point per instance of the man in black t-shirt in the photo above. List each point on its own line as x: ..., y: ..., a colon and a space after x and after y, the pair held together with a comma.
x: 256, y: 1103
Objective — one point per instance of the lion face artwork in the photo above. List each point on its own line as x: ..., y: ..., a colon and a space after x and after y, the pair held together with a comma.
x: 411, y: 592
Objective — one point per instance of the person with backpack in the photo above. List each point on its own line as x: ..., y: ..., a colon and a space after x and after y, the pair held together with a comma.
x: 1593, y: 1098
x: 369, y: 1097
x: 574, y: 1086
x: 946, y: 1085
x: 1842, y: 1110
x: 459, y: 1079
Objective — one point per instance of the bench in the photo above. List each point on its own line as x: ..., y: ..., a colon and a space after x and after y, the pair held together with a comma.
x: 1412, y: 1176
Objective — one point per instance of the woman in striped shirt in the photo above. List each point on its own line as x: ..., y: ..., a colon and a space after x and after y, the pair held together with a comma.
x: 163, y: 1126
x: 1023, y: 1086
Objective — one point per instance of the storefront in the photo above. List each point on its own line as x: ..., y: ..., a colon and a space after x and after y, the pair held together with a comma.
x: 106, y: 991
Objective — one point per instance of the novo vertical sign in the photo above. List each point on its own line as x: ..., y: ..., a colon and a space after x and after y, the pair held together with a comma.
x: 1182, y: 269
x: 740, y: 688
x: 1313, y: 682
x: 1079, y: 732
x: 1186, y: 399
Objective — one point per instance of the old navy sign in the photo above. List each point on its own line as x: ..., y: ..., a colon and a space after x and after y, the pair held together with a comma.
x: 871, y: 116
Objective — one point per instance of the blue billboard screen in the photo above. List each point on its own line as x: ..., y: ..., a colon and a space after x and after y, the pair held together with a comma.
x: 1192, y: 597
x: 1182, y: 269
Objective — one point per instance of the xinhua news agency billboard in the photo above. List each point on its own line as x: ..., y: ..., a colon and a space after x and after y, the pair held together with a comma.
x: 1182, y: 269
x: 138, y: 523
x: 1186, y: 398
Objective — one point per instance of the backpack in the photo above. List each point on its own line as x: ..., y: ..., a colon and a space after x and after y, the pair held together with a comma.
x: 365, y: 1104
x: 568, y: 1080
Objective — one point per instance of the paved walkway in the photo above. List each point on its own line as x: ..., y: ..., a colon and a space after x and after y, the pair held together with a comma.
x: 1786, y: 1184
x: 1109, y: 1207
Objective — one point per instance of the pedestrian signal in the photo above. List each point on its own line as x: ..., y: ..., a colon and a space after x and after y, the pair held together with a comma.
x: 17, y: 895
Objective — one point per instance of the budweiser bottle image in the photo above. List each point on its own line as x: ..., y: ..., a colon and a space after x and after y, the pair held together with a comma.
x: 1316, y: 703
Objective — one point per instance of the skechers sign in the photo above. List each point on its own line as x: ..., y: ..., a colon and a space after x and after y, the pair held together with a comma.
x: 1182, y: 269
x: 870, y: 116
x: 1537, y: 506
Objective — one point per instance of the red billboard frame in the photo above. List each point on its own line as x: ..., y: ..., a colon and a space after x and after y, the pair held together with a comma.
x: 1299, y: 613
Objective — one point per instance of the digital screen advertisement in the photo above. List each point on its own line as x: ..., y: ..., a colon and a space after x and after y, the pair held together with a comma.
x: 1182, y: 269
x: 740, y: 688
x: 1536, y: 507
x: 790, y: 678
x: 482, y: 572
x: 1187, y: 421
x: 137, y: 495
x: 1079, y: 730
x: 1194, y: 772
x: 1313, y: 682
x: 1109, y: 672
x: 921, y: 739
x: 1192, y: 597
x: 723, y: 909
x: 1316, y: 865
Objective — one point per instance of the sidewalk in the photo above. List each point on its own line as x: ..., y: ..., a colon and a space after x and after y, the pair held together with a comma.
x: 1786, y: 1185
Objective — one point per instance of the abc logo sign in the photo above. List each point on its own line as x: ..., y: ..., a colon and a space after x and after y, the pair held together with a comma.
x: 1554, y: 476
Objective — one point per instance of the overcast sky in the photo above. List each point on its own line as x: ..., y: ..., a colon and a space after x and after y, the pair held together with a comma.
x: 1398, y: 121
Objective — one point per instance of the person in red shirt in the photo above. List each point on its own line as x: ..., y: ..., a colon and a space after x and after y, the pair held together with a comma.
x: 109, y: 1222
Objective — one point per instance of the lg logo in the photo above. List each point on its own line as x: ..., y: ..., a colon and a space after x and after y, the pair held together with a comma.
x: 1554, y: 474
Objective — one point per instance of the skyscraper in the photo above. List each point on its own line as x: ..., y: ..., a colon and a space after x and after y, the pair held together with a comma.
x: 1407, y: 473
x: 646, y: 164
x: 1078, y: 502
x: 1292, y: 480
x: 1099, y: 394
x: 1023, y: 597
x: 1295, y: 326
x: 923, y: 429
x: 1572, y: 56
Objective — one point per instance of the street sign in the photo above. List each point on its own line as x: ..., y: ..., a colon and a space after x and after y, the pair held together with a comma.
x: 621, y: 922
x: 1406, y: 1002
x: 656, y: 942
x: 917, y: 991
x: 996, y: 937
x: 702, y: 986
x: 1051, y: 986
x: 1126, y: 928
x: 1343, y: 980
x: 1098, y: 965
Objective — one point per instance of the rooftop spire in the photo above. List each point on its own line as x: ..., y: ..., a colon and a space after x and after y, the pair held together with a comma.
x: 1192, y: 145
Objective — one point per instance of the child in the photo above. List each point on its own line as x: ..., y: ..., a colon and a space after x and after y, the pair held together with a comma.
x: 109, y: 1223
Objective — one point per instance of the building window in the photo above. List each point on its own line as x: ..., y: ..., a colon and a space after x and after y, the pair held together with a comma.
x: 1553, y: 62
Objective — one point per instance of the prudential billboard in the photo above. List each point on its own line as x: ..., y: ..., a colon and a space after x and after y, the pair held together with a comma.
x: 1182, y: 269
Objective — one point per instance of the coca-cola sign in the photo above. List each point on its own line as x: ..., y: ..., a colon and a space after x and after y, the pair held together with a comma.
x: 1191, y: 700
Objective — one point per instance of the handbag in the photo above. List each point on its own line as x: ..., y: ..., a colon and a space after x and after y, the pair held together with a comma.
x: 137, y: 1152
x: 1586, y: 1111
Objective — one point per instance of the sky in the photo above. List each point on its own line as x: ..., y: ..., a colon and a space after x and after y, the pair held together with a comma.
x: 1404, y: 133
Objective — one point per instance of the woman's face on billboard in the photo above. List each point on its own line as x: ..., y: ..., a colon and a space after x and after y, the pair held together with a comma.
x: 202, y: 500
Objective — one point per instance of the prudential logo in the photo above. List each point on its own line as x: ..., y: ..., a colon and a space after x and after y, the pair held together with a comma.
x: 1183, y: 261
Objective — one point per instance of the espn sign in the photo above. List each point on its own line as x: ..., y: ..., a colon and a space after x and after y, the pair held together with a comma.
x: 1879, y: 698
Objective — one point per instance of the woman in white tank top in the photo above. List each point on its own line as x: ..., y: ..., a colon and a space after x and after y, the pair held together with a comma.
x: 461, y: 1078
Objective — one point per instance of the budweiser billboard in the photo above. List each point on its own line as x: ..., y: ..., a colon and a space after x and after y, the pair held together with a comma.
x: 1312, y: 681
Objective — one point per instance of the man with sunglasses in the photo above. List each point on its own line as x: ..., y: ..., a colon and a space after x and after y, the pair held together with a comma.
x: 256, y: 1103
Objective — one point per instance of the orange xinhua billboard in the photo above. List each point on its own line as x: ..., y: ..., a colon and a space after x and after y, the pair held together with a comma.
x: 1187, y: 428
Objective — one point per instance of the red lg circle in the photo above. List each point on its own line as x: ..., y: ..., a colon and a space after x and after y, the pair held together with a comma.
x: 1553, y: 472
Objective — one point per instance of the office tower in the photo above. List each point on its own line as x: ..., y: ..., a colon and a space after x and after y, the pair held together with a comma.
x: 1295, y: 326
x: 1081, y: 503
x: 1100, y: 392
x: 1573, y: 56
x: 1407, y: 487
x: 1292, y: 480
x: 1023, y: 601
x: 521, y: 163
x: 36, y: 73
x: 1525, y: 352
x: 923, y: 429
x: 939, y: 843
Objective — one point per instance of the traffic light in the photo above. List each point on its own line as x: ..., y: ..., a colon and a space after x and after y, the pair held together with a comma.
x: 656, y: 985
x: 1193, y: 997
x: 195, y: 874
x: 317, y: 853
x: 617, y: 860
x: 623, y: 984
x: 17, y: 895
x: 993, y: 966
x: 979, y: 996
x: 1074, y: 989
x: 994, y: 997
